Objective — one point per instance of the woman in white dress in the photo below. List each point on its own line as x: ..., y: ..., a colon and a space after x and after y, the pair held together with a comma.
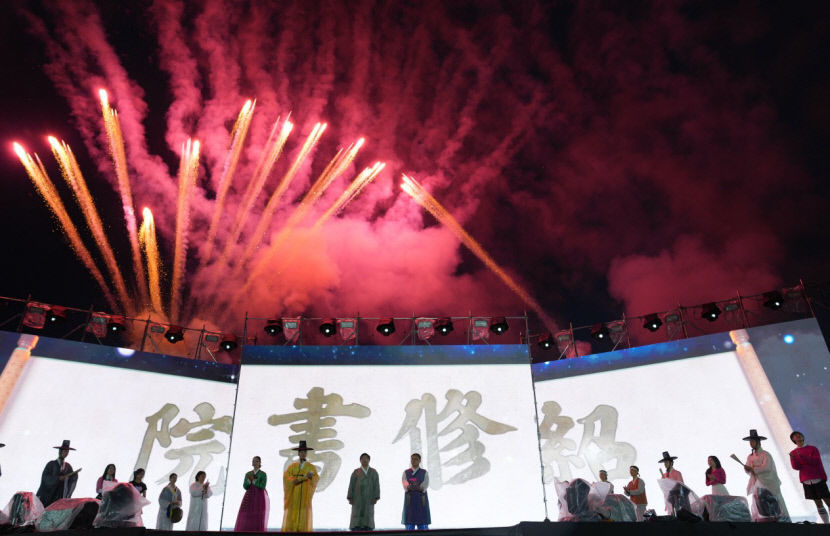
x: 197, y: 515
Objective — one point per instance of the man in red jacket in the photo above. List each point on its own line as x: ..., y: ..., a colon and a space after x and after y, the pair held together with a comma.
x: 807, y: 461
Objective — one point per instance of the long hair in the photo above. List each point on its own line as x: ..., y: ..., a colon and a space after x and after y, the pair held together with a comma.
x: 107, y: 468
x: 717, y: 465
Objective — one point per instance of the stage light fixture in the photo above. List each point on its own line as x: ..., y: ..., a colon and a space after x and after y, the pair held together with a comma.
x: 273, y: 327
x: 498, y: 325
x: 327, y: 327
x: 35, y: 315
x: 56, y: 314
x: 444, y: 325
x: 116, y: 323
x: 386, y: 327
x: 157, y: 328
x: 546, y: 341
x: 174, y: 334
x: 773, y: 300
x: 710, y: 311
x: 652, y: 322
x: 600, y: 332
x: 229, y: 342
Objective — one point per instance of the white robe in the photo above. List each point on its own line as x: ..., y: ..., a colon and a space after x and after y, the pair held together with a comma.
x: 197, y: 515
x: 765, y: 476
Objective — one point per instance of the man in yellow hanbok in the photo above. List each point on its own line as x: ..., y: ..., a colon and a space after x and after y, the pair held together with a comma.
x: 299, y: 482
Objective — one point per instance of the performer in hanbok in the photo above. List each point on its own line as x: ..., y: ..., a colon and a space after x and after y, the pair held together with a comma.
x: 253, y: 512
x: 364, y: 492
x: 670, y: 472
x: 636, y: 491
x: 108, y: 476
x: 603, y: 477
x: 299, y: 482
x: 416, y: 502
x: 806, y: 459
x: 170, y: 500
x: 200, y: 492
x: 761, y: 469
x: 138, y: 482
x: 58, y: 479
x: 716, y: 476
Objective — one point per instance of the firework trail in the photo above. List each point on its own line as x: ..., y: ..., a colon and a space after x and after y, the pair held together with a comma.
x: 334, y: 169
x: 72, y: 173
x: 188, y: 170
x: 115, y: 139
x: 272, y: 152
x: 147, y: 236
x: 273, y: 201
x: 240, y: 130
x: 358, y: 184
x: 36, y: 171
x: 417, y: 192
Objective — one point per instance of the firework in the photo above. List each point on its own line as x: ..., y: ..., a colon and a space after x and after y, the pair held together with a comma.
x: 36, y: 171
x: 419, y: 194
x: 188, y: 170
x: 147, y: 236
x: 240, y: 130
x: 72, y: 174
x: 358, y: 184
x: 115, y: 138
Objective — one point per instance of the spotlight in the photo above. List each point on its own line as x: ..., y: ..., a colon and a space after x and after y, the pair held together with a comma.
x: 174, y: 334
x: 386, y: 327
x: 35, y: 315
x: 56, y: 314
x: 652, y: 322
x: 444, y: 325
x: 710, y: 312
x: 773, y: 300
x: 599, y: 332
x: 273, y: 327
x: 498, y: 325
x: 546, y: 341
x: 229, y: 343
x: 327, y: 327
x: 116, y: 323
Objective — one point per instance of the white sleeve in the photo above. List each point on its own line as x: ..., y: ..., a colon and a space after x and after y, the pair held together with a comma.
x: 425, y: 483
x: 405, y: 482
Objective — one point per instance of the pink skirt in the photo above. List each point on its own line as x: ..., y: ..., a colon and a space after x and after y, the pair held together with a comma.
x: 253, y: 512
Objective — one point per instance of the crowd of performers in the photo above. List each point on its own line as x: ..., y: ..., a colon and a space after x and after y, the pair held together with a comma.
x: 763, y: 478
x: 300, y: 481
x: 299, y: 484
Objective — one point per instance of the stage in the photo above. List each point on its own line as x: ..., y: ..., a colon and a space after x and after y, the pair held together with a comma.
x: 652, y: 528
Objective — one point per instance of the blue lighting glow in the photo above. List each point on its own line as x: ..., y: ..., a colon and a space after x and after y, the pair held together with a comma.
x: 789, y: 339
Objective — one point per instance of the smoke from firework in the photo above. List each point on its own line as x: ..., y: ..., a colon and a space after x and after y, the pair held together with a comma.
x: 605, y: 144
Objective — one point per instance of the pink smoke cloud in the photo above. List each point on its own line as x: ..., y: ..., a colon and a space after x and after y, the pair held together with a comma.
x: 624, y: 150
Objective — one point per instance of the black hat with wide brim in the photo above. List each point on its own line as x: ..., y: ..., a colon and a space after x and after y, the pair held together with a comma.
x: 303, y: 446
x: 64, y: 445
x: 753, y: 434
x: 667, y: 457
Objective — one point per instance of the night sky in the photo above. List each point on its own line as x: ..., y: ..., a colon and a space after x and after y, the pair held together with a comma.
x: 611, y: 156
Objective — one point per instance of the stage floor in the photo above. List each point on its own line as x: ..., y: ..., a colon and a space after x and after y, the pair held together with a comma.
x: 653, y: 528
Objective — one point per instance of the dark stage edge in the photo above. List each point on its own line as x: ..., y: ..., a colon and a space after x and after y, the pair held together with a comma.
x: 653, y: 528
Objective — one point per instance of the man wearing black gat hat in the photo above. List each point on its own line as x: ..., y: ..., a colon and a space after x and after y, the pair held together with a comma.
x: 762, y: 474
x: 58, y: 479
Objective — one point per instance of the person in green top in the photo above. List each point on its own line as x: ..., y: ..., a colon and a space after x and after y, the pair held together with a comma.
x: 364, y: 492
x: 253, y: 512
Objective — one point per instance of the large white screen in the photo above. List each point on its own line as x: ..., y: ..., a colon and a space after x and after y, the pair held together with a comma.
x: 506, y: 398
x: 103, y: 411
x: 692, y: 408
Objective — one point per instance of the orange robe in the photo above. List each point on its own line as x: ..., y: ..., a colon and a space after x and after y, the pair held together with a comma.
x: 298, y: 514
